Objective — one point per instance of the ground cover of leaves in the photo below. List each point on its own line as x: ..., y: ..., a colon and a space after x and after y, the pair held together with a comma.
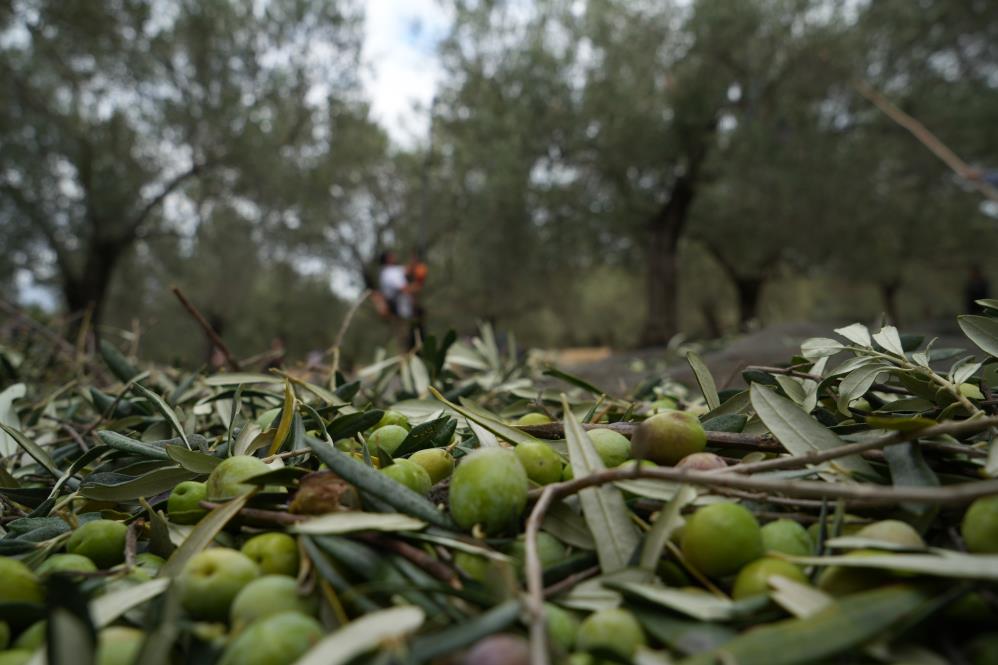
x: 439, y: 507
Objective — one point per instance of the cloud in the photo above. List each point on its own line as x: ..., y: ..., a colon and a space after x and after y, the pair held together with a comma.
x: 402, y: 68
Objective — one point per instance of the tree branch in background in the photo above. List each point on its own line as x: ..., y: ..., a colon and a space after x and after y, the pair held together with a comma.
x: 928, y: 139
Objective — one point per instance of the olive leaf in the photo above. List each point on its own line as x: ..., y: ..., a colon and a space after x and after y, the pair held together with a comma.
x: 363, y: 634
x: 603, y: 507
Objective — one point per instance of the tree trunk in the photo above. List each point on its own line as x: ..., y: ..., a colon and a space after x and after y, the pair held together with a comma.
x: 89, y: 287
x: 889, y: 294
x: 662, y: 263
x: 749, y: 292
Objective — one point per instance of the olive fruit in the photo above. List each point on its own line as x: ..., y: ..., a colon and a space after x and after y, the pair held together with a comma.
x: 489, y: 488
x: 278, y: 639
x: 540, y: 461
x: 753, y: 579
x: 211, y: 580
x: 274, y: 553
x: 101, y: 541
x: 268, y: 595
x: 226, y: 481
x: 410, y: 474
x: 721, y: 538
x: 668, y: 437
x: 787, y: 537
x: 183, y: 505
x: 613, y: 630
x: 980, y: 526
x: 387, y: 438
x: 612, y: 447
x: 437, y: 462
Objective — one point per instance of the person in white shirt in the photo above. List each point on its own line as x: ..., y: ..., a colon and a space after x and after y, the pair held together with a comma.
x: 393, y: 285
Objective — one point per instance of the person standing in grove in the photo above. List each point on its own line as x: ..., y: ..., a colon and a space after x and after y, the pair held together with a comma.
x: 394, y: 299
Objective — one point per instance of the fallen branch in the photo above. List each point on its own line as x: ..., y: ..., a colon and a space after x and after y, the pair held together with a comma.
x: 872, y: 494
x: 208, y: 330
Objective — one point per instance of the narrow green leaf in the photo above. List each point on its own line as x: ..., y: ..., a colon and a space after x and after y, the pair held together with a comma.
x: 347, y: 425
x: 900, y: 423
x: 695, y: 604
x: 107, y: 608
x: 486, y: 439
x: 36, y: 452
x: 857, y: 383
x: 131, y: 446
x: 70, y: 638
x: 160, y: 404
x: 669, y: 519
x: 573, y: 380
x: 843, y: 626
x: 704, y: 379
x: 202, y: 535
x: 792, y: 388
x: 491, y: 423
x: 427, y: 648
x: 235, y: 378
x: 116, y: 362
x: 364, y: 634
x: 287, y: 416
x: 349, y: 522
x: 982, y: 331
x: 378, y: 484
x: 800, y: 600
x: 566, y: 525
x: 941, y: 563
x: 685, y: 636
x: 192, y: 460
x: 734, y: 422
x: 146, y: 485
x: 431, y: 434
x: 799, y: 432
x: 603, y: 507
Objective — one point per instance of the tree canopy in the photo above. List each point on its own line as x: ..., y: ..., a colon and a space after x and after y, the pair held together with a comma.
x: 607, y: 171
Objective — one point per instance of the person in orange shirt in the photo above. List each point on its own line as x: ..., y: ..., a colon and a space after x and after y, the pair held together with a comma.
x: 416, y: 272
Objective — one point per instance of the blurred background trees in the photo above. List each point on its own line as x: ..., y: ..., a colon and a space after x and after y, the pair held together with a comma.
x: 598, y: 172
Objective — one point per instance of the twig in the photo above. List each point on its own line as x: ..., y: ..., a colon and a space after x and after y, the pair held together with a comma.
x: 570, y: 581
x: 535, y: 575
x: 434, y: 567
x: 730, y: 439
x: 341, y: 333
x: 798, y: 461
x: 869, y: 493
x: 206, y: 327
x: 272, y: 516
x: 928, y: 139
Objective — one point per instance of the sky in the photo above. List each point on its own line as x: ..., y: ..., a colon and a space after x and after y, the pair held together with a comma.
x: 401, y: 67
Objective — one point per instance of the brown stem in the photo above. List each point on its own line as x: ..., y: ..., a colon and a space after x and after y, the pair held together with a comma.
x: 434, y: 567
x: 799, y: 461
x: 206, y: 327
x: 871, y: 494
x: 535, y: 578
x: 570, y: 581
